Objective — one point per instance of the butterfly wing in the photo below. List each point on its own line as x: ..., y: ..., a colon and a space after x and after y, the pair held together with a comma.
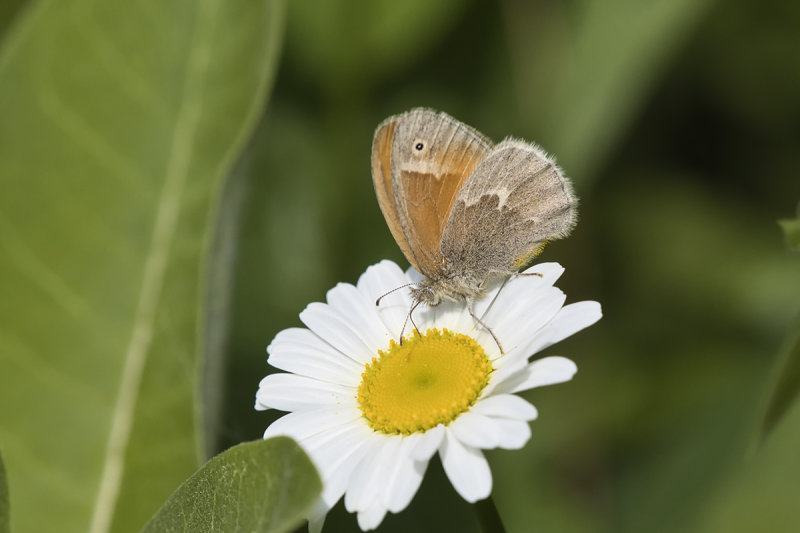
x: 431, y: 156
x: 382, y: 180
x: 514, y: 202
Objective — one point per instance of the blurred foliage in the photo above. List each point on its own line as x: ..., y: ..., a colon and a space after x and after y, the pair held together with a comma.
x: 4, y: 511
x: 791, y: 229
x: 787, y: 387
x: 8, y: 10
x: 677, y: 121
x: 763, y: 496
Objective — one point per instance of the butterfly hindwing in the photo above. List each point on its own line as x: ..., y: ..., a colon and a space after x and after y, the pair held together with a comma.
x: 514, y: 202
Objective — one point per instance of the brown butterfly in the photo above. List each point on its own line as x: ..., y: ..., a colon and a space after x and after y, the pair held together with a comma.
x: 463, y: 210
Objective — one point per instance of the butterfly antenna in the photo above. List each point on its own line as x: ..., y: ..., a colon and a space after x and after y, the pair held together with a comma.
x: 483, y: 325
x: 382, y: 296
x: 408, y: 317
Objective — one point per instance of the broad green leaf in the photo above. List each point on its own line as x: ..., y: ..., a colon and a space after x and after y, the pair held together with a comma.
x: 4, y: 518
x: 262, y: 486
x: 791, y: 230
x: 117, y: 122
x: 787, y: 385
x: 582, y: 69
x: 763, y: 497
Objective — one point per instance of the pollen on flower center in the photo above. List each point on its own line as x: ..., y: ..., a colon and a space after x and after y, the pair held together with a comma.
x: 429, y: 380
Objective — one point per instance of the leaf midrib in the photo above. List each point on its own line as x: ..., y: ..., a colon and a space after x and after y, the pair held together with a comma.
x: 156, y: 262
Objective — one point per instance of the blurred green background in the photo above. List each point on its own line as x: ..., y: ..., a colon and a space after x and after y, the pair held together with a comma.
x: 679, y: 124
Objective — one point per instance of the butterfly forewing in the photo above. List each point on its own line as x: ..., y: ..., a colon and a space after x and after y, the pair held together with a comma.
x: 514, y: 202
x: 432, y: 155
x: 382, y: 180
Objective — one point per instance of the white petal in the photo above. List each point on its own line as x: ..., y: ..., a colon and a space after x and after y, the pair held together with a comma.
x: 288, y: 392
x: 522, y: 305
x: 550, y: 272
x: 369, y: 479
x: 513, y: 433
x: 426, y: 316
x: 517, y: 315
x: 316, y: 519
x: 406, y: 486
x: 337, y: 331
x: 304, y: 424
x: 475, y: 430
x: 361, y: 313
x: 506, y: 406
x: 514, y: 309
x: 467, y: 469
x: 460, y: 319
x: 545, y: 371
x: 486, y: 432
x: 513, y: 358
x: 454, y: 316
x: 413, y: 275
x: 328, y: 449
x: 404, y: 479
x: 482, y: 305
x: 336, y: 455
x: 371, y: 518
x: 571, y: 319
x: 300, y: 351
x: 428, y: 444
x: 377, y: 281
x: 508, y: 367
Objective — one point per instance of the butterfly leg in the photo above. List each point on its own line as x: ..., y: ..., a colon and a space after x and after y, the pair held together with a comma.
x: 527, y: 274
x: 409, y: 317
x: 514, y: 274
x: 484, y: 326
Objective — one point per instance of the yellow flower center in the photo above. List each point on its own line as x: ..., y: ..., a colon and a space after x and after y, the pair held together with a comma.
x: 429, y: 380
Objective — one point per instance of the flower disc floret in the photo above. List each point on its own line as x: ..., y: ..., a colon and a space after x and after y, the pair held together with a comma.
x: 428, y: 380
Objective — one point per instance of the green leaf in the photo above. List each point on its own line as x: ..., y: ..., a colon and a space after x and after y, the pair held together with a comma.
x: 261, y: 486
x: 118, y: 121
x: 791, y: 230
x: 4, y: 513
x: 787, y: 385
x: 763, y: 497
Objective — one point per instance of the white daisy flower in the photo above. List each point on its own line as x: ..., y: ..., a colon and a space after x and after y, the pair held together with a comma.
x: 371, y: 412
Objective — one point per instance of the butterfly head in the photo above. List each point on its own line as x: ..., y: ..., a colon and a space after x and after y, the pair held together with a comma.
x: 425, y: 292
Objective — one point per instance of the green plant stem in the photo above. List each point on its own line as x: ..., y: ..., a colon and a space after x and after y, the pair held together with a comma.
x: 488, y: 517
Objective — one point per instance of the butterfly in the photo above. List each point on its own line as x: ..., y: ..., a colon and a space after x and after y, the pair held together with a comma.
x: 463, y: 210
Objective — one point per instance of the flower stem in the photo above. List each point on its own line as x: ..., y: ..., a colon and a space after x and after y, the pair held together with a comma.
x: 488, y: 517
